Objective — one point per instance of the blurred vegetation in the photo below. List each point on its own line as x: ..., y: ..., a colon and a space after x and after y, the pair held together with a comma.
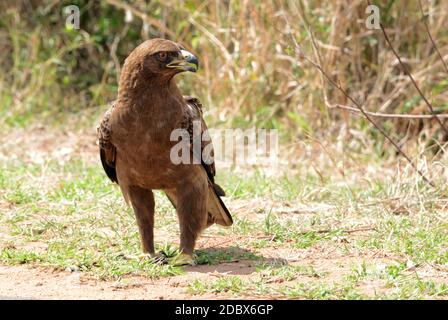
x: 249, y: 72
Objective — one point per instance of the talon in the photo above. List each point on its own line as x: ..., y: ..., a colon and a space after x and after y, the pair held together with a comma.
x: 159, y: 258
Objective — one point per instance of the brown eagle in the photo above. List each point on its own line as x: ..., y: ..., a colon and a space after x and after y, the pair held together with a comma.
x: 136, y: 146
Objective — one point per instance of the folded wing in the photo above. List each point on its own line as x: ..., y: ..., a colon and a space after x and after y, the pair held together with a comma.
x: 216, y: 208
x: 108, y: 151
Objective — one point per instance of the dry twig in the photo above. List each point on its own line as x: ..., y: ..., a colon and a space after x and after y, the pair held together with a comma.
x: 301, y: 55
x: 391, y: 115
x: 409, y: 74
x: 360, y: 229
x: 430, y: 36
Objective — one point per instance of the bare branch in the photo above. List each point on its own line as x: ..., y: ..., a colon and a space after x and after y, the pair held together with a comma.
x: 430, y: 107
x: 301, y: 55
x: 391, y: 115
x: 431, y: 38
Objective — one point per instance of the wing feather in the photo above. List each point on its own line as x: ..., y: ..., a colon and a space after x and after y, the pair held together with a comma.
x: 107, y: 150
x: 216, y: 206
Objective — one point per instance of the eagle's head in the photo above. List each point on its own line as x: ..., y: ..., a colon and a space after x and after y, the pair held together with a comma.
x: 159, y: 59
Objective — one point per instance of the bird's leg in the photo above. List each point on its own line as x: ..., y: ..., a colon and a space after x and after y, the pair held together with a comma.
x: 142, y: 201
x: 192, y: 213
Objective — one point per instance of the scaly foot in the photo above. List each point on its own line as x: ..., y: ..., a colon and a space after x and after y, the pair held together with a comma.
x: 182, y: 259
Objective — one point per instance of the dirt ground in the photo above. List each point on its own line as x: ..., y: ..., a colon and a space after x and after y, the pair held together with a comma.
x: 24, y: 282
x: 21, y: 282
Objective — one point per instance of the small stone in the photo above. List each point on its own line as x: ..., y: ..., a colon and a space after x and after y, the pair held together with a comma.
x: 72, y: 269
x: 410, y: 265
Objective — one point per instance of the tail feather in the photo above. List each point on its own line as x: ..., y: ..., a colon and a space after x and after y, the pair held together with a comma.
x: 215, y: 206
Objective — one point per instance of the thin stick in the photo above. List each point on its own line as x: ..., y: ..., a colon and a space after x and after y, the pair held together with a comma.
x: 368, y: 117
x: 391, y: 115
x: 412, y: 79
x: 301, y: 55
x: 360, y: 229
x: 431, y: 38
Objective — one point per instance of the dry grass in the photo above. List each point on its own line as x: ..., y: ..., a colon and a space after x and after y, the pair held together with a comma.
x: 250, y: 74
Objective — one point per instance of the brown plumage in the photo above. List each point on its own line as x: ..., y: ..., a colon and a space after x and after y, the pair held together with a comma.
x: 135, y: 146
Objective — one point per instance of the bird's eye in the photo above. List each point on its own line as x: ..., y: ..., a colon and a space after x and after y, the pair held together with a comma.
x: 162, y: 56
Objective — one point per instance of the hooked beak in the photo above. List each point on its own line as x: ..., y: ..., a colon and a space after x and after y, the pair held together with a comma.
x: 187, y: 62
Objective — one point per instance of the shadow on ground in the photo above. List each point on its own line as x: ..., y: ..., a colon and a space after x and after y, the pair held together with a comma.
x: 230, y: 260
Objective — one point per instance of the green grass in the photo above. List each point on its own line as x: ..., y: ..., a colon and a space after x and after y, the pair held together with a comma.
x: 81, y: 220
x: 217, y: 256
x: 395, y: 286
x: 287, y: 272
